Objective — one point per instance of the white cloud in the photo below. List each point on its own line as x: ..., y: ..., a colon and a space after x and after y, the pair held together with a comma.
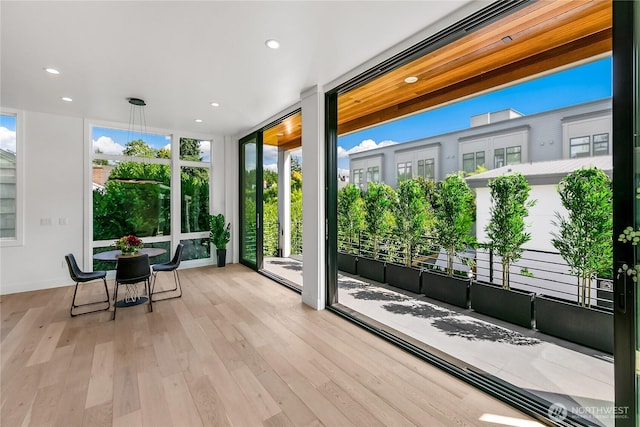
x: 107, y: 145
x: 205, y: 150
x: 367, y: 144
x: 8, y: 139
x: 271, y: 167
x: 167, y: 147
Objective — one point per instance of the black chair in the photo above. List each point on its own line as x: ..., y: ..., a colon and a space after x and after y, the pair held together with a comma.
x: 168, y: 266
x: 80, y: 276
x: 130, y: 271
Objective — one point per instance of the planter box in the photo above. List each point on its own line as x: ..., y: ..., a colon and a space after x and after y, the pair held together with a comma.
x: 404, y: 277
x: 587, y: 326
x: 347, y: 263
x: 371, y: 269
x: 513, y: 306
x: 450, y: 289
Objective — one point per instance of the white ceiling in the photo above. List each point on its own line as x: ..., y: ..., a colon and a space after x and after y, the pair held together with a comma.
x: 180, y: 56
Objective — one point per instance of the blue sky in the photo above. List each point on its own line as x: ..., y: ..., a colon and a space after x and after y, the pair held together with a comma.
x: 8, y: 133
x: 585, y: 83
x: 113, y: 141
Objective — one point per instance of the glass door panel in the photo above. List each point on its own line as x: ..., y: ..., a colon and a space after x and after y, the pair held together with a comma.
x: 251, y: 201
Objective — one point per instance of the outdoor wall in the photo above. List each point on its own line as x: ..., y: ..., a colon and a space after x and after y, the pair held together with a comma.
x: 53, y: 202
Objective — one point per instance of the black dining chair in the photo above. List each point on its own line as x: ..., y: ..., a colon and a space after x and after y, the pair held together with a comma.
x: 168, y: 266
x: 130, y: 271
x: 80, y: 276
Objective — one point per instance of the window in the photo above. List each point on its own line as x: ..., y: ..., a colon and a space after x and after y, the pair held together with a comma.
x: 373, y: 174
x: 468, y: 162
x: 579, y: 147
x: 426, y: 168
x: 404, y: 171
x: 514, y: 155
x: 357, y: 177
x: 480, y: 159
x: 10, y: 161
x: 194, y: 197
x: 498, y: 158
x: 601, y: 144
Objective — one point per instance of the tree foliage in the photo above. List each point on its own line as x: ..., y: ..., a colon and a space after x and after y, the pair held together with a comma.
x: 350, y: 217
x: 584, y: 236
x: 378, y: 202
x: 454, y: 215
x: 412, y: 217
x: 506, y: 229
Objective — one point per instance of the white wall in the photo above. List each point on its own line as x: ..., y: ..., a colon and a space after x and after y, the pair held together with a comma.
x: 53, y: 191
x: 538, y: 221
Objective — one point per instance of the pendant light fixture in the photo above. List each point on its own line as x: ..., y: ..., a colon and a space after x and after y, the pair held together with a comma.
x: 137, y: 119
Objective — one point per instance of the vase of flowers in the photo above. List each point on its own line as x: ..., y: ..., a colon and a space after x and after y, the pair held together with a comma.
x: 129, y: 245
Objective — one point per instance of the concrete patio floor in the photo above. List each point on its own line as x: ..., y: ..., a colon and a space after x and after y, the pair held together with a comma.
x: 561, y: 372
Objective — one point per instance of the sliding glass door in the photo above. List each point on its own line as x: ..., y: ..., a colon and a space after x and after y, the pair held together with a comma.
x: 251, y: 200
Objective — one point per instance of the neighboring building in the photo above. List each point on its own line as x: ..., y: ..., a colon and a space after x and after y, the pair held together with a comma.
x: 7, y: 193
x: 494, y: 140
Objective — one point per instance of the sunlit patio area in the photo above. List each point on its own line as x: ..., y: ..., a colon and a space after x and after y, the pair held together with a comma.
x: 558, y: 371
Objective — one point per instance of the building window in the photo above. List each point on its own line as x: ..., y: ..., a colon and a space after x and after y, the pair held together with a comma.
x: 357, y: 177
x: 498, y: 158
x: 404, y: 171
x: 10, y: 161
x: 601, y: 144
x: 426, y: 168
x: 468, y: 163
x: 480, y: 159
x: 373, y: 174
x: 580, y: 147
x: 514, y: 155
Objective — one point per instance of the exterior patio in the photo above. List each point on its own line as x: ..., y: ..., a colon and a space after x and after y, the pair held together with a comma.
x: 558, y: 371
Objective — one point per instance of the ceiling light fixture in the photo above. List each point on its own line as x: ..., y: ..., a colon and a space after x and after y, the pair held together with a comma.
x: 66, y: 99
x: 198, y: 120
x: 272, y: 44
x: 136, y: 111
x: 215, y: 104
x: 411, y: 79
x: 52, y: 71
x: 506, y: 39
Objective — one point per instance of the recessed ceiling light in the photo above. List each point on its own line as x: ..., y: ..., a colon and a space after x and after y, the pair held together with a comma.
x: 215, y: 104
x: 198, y: 120
x: 506, y: 39
x: 280, y: 134
x: 66, y: 99
x: 272, y: 44
x: 411, y: 79
x: 52, y: 71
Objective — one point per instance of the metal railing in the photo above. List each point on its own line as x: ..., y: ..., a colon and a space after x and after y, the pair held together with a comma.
x: 271, y: 245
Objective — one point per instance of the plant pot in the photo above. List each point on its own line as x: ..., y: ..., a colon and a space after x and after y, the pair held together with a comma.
x: 347, y: 263
x: 402, y: 277
x: 590, y: 327
x: 222, y: 257
x: 513, y: 305
x: 450, y: 289
x: 371, y: 269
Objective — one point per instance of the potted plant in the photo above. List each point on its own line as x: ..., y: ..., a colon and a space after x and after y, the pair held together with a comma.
x: 129, y: 245
x: 220, y: 236
x: 350, y: 224
x: 584, y: 240
x: 412, y: 221
x: 453, y: 218
x: 378, y: 222
x: 510, y: 205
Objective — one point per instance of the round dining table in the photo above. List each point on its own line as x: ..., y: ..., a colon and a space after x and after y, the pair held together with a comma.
x: 117, y: 253
x: 131, y: 297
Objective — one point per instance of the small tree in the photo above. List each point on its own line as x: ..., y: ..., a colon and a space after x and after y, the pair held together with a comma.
x: 350, y: 216
x: 412, y: 216
x: 509, y: 206
x: 378, y: 218
x: 454, y: 215
x: 584, y: 237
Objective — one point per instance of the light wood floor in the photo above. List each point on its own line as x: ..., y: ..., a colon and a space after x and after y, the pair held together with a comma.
x: 236, y: 350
